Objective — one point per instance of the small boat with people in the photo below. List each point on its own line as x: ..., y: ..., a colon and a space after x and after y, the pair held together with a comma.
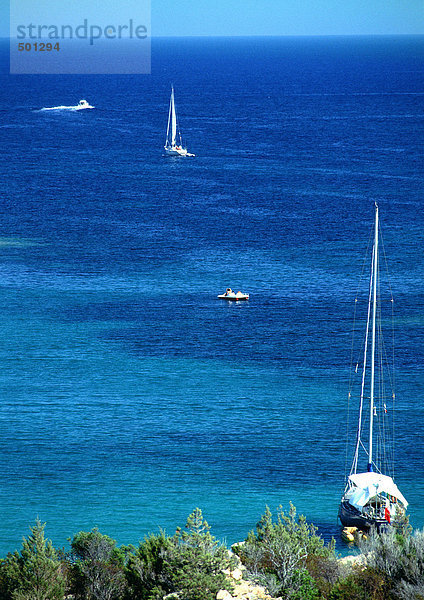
x: 230, y: 295
x: 83, y: 104
x: 371, y: 498
x: 173, y: 143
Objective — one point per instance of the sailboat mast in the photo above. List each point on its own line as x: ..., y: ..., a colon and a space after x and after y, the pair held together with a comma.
x: 374, y: 314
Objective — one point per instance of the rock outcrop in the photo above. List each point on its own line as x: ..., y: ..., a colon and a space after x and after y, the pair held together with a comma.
x: 243, y: 587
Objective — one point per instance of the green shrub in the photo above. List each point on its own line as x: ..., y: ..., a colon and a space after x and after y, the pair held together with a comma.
x: 8, y: 576
x: 303, y: 587
x: 399, y: 559
x: 362, y: 584
x: 197, y: 560
x: 146, y: 572
x: 189, y: 564
x: 34, y: 573
x: 97, y: 567
x: 285, y: 548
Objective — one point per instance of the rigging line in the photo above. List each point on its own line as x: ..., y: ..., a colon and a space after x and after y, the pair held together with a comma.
x: 364, y: 448
x: 382, y: 394
x: 177, y: 123
x: 383, y: 363
x: 385, y: 261
x: 357, y: 362
x: 389, y: 372
x: 352, y: 369
x: 392, y: 373
x: 393, y: 391
x: 354, y: 365
x: 384, y: 460
x: 381, y: 459
x: 347, y: 435
x: 392, y: 305
x: 361, y: 404
x: 375, y: 464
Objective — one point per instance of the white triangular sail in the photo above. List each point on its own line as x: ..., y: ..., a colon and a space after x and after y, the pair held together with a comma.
x: 172, y: 147
x: 173, y: 120
x: 169, y: 122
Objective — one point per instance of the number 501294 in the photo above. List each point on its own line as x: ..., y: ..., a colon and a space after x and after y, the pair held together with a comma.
x: 38, y: 47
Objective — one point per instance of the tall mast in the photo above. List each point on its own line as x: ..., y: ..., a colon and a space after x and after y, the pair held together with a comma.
x: 374, y: 313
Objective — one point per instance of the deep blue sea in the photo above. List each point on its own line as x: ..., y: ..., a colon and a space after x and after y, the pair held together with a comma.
x: 129, y: 394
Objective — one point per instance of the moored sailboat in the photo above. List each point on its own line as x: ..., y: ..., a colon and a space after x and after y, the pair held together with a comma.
x: 371, y: 497
x: 173, y: 143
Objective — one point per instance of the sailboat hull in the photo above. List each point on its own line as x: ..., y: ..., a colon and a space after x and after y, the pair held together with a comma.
x: 352, y: 517
x: 177, y: 152
x: 233, y: 297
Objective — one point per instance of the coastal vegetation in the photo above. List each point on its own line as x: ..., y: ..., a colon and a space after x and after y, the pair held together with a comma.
x: 282, y: 558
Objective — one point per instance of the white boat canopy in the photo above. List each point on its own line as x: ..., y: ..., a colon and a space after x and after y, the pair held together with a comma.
x: 369, y: 485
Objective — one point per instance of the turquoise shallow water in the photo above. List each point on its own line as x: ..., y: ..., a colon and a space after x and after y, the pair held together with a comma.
x: 129, y: 393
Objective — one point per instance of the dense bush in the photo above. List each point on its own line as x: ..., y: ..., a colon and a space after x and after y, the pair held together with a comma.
x: 147, y: 574
x: 34, y: 573
x: 97, y: 567
x: 197, y: 560
x: 288, y: 557
x: 393, y: 568
x: 189, y: 564
x: 399, y: 559
x: 361, y: 584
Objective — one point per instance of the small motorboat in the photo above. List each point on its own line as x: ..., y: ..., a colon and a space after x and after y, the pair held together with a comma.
x: 83, y: 104
x: 230, y: 295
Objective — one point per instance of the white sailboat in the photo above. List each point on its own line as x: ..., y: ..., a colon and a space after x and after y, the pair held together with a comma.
x: 371, y: 497
x: 173, y: 143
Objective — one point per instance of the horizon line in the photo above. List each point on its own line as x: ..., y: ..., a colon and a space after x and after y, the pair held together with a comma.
x: 268, y: 35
